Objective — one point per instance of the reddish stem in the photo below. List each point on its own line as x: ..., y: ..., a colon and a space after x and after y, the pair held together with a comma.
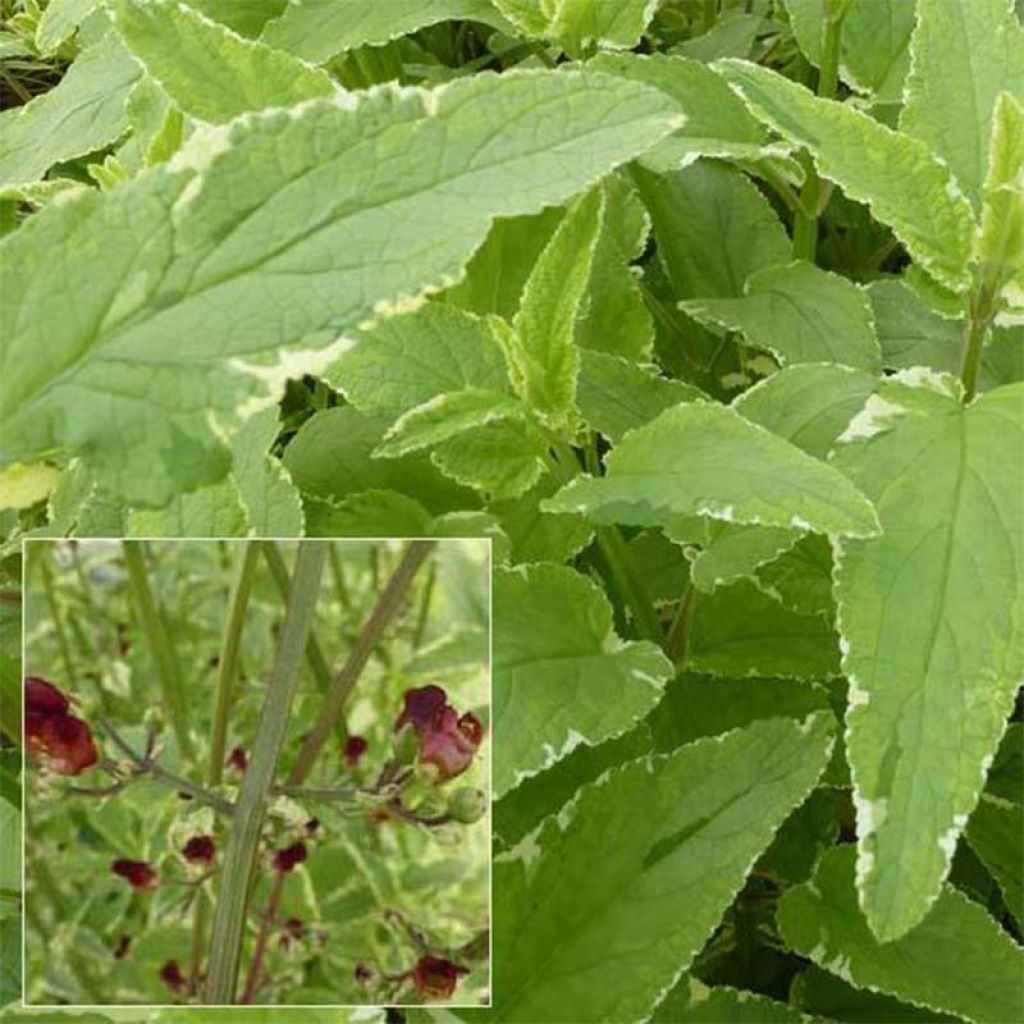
x: 252, y: 981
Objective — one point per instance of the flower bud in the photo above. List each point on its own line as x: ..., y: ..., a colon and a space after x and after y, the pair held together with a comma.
x: 467, y: 805
x: 171, y: 976
x: 154, y: 720
x: 286, y: 859
x: 355, y: 747
x: 436, y: 977
x: 137, y: 873
x: 199, y: 850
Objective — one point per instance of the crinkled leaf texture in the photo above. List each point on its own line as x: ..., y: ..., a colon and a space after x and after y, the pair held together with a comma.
x: 956, y: 960
x: 561, y: 675
x: 606, y: 904
x: 183, y: 299
x: 931, y: 614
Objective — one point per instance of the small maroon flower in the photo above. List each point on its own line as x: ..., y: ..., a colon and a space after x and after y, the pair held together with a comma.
x: 447, y: 741
x: 138, y: 873
x: 199, y: 850
x: 286, y: 859
x: 43, y: 698
x: 61, y: 741
x: 312, y: 826
x: 121, y: 947
x: 238, y: 759
x: 355, y: 747
x: 436, y: 977
x: 363, y: 974
x: 171, y: 976
x: 292, y: 930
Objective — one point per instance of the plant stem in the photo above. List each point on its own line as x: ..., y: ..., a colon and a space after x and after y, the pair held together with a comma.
x: 243, y: 842
x: 338, y: 575
x: 616, y: 554
x: 314, y: 653
x: 424, y: 611
x: 50, y: 588
x: 805, y: 223
x: 159, y: 644
x: 252, y: 981
x: 383, y: 612
x: 227, y: 663
x: 678, y: 634
x: 981, y: 311
x: 710, y: 14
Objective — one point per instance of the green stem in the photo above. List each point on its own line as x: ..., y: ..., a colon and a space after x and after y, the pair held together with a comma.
x: 424, y: 610
x: 710, y: 14
x: 57, y: 615
x: 338, y: 575
x: 981, y: 312
x: 243, y: 841
x: 679, y: 632
x: 252, y: 981
x: 314, y: 652
x: 159, y: 644
x: 227, y: 662
x: 805, y: 222
x: 383, y: 612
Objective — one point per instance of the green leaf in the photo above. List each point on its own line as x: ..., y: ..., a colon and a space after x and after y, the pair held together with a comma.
x: 10, y: 846
x: 714, y: 228
x: 214, y: 511
x: 538, y: 536
x: 272, y: 504
x: 316, y: 30
x: 541, y: 349
x: 615, y: 396
x: 616, y: 318
x: 800, y: 314
x: 83, y: 112
x: 689, y: 1000
x: 60, y: 20
x: 735, y: 552
x: 704, y: 459
x: 561, y: 675
x: 695, y: 706
x: 579, y: 25
x: 999, y: 249
x: 910, y: 332
x: 956, y: 960
x: 368, y: 514
x: 198, y: 315
x: 246, y: 17
x: 686, y: 828
x: 408, y: 359
x: 996, y: 834
x: 902, y: 181
x: 962, y: 58
x: 447, y: 416
x: 10, y: 958
x: 933, y: 657
x: 740, y: 631
x: 211, y: 72
x: 808, y: 405
x: 874, y: 45
x: 718, y: 123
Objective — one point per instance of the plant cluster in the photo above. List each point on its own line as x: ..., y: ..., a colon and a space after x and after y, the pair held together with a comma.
x: 146, y: 845
x: 708, y: 314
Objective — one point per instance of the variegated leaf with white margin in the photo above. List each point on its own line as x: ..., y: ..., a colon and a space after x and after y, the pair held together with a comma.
x: 578, y: 25
x: 963, y: 55
x: 704, y: 459
x: 931, y: 614
x: 903, y: 182
x: 186, y: 297
x: 606, y: 904
x: 561, y: 675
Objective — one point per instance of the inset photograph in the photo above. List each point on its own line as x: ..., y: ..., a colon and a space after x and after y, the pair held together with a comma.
x: 257, y: 772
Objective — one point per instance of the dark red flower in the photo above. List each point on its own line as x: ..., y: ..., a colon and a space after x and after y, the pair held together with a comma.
x: 293, y: 930
x: 355, y: 747
x: 447, y: 741
x: 43, y: 698
x: 363, y: 974
x: 137, y: 872
x: 311, y: 826
x: 286, y: 859
x: 199, y: 850
x: 238, y: 759
x: 436, y: 977
x: 171, y: 976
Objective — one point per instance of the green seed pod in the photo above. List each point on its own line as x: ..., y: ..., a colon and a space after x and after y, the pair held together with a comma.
x: 467, y: 805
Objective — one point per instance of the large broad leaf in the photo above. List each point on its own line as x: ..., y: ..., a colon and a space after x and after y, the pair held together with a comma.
x: 83, y: 112
x: 541, y: 349
x: 181, y: 296
x: 60, y: 20
x: 996, y: 834
x: 714, y: 228
x: 690, y: 1001
x: 718, y: 123
x: 898, y: 176
x: 209, y: 71
x: 608, y: 934
x: 704, y: 459
x: 930, y: 615
x: 800, y: 314
x: 964, y: 55
x: 561, y: 675
x: 956, y: 960
x: 318, y: 29
x: 577, y: 25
